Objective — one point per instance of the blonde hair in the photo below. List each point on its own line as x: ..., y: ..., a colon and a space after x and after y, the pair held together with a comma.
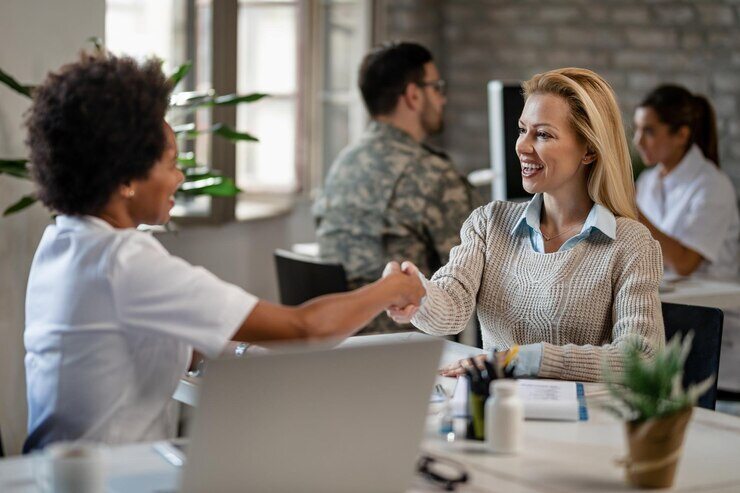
x: 596, y: 118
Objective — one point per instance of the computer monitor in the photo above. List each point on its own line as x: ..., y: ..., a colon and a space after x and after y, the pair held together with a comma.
x: 505, y: 104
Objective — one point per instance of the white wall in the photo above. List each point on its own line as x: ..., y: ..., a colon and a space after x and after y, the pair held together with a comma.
x: 35, y: 36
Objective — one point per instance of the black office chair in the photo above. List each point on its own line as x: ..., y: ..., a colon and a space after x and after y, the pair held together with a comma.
x: 703, y: 360
x: 302, y: 278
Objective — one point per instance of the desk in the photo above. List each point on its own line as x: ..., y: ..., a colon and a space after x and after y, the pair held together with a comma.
x: 558, y: 457
x: 703, y: 292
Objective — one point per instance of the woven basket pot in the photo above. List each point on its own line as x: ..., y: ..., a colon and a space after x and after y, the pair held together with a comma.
x: 655, y: 447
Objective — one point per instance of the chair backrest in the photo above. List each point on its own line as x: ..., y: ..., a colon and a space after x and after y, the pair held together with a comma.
x: 703, y: 360
x: 302, y: 278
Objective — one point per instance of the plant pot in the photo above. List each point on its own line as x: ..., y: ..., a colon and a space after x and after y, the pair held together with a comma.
x: 655, y: 447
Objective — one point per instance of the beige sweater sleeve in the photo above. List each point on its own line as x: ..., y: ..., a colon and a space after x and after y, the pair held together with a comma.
x: 452, y: 291
x: 636, y: 315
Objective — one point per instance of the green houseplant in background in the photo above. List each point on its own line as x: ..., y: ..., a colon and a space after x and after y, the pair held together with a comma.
x: 650, y: 397
x: 200, y: 179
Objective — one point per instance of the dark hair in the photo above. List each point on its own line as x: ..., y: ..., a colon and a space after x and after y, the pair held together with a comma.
x: 387, y: 70
x: 677, y: 107
x: 94, y: 125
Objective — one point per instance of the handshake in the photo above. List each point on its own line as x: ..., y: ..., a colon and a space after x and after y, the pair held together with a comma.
x: 410, y: 288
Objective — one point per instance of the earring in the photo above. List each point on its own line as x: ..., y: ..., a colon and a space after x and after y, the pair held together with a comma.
x: 131, y: 193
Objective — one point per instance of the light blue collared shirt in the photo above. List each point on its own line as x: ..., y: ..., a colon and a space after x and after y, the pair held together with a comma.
x: 599, y: 220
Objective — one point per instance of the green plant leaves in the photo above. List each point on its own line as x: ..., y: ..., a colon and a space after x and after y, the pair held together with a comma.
x: 233, y: 99
x: 652, y: 388
x: 190, y: 132
x: 204, y: 99
x: 208, y: 183
x: 9, y: 81
x: 15, y: 167
x: 180, y: 73
x: 25, y: 201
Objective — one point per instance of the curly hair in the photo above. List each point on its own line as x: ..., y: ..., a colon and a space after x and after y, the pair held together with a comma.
x: 94, y: 125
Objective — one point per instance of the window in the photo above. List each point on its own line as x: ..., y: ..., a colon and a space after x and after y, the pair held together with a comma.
x: 304, y: 53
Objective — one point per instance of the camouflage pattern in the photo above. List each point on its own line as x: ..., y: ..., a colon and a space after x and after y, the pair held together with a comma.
x: 390, y: 198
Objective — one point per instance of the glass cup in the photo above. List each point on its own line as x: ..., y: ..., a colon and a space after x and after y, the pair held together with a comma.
x: 70, y: 467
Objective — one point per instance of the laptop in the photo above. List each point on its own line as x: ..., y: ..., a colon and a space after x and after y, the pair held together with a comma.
x: 313, y: 419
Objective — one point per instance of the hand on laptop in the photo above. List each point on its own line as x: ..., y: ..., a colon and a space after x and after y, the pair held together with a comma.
x: 402, y: 314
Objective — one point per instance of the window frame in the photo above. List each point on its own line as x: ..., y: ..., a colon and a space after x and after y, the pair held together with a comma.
x: 310, y: 165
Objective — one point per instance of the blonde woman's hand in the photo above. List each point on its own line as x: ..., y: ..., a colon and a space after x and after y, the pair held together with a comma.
x: 403, y: 314
x: 457, y: 368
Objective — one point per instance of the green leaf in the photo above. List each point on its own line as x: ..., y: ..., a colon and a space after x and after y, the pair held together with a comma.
x: 9, y: 81
x: 25, y: 201
x: 97, y: 43
x: 189, y: 131
x: 215, y: 186
x: 187, y: 160
x: 233, y: 99
x: 180, y: 73
x: 229, y: 133
x: 15, y: 167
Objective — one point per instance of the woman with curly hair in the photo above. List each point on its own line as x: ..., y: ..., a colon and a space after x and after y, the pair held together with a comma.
x: 111, y: 317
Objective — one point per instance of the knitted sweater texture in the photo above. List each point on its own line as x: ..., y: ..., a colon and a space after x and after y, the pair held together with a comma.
x: 584, y: 304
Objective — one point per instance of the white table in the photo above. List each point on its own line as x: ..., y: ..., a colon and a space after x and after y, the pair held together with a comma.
x: 703, y: 292
x: 558, y: 457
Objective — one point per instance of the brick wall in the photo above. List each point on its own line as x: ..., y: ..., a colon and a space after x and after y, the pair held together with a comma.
x: 635, y: 45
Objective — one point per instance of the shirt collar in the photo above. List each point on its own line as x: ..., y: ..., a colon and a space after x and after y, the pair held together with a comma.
x: 64, y: 222
x: 686, y: 170
x: 388, y: 130
x: 599, y: 218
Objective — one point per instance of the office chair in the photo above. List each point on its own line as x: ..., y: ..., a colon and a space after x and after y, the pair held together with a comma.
x: 302, y: 278
x: 703, y: 359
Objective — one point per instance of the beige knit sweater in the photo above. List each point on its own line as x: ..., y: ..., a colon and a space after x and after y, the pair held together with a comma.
x: 583, y: 304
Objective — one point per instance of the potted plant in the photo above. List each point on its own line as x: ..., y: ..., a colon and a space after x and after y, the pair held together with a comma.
x: 650, y: 397
x: 200, y: 179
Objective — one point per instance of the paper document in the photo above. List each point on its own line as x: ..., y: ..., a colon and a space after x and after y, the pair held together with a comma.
x: 552, y: 399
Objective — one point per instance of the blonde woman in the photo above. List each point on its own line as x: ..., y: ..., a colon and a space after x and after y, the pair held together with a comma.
x: 571, y: 275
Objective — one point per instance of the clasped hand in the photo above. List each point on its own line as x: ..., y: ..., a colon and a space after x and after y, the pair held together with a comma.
x: 402, y: 314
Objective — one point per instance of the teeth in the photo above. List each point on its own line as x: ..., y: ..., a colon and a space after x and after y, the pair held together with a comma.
x: 530, y: 167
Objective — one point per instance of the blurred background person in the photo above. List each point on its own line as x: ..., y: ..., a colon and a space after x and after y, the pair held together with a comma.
x: 390, y: 196
x: 687, y: 202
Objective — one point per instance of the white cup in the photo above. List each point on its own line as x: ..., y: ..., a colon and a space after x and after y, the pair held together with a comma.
x: 70, y: 467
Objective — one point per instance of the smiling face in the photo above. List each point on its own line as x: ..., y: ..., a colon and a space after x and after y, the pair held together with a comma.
x: 154, y: 195
x: 655, y: 141
x: 552, y: 155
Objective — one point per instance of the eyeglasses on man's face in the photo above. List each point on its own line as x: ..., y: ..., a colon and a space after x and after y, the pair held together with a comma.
x: 438, y: 85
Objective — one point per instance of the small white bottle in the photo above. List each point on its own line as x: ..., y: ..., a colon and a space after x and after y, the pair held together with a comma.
x: 504, y: 415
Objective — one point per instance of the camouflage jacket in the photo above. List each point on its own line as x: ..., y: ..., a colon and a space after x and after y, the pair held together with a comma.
x: 390, y: 198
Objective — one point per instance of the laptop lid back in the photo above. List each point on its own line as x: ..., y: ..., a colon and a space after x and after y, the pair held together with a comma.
x: 324, y: 420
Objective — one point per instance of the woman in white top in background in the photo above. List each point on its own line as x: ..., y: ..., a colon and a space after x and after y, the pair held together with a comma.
x: 686, y: 201
x: 571, y: 276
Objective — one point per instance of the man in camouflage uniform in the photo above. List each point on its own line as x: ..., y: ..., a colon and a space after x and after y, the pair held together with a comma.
x: 390, y: 196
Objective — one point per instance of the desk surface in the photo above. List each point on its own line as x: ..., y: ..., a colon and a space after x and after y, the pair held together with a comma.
x: 557, y: 456
x: 703, y: 292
